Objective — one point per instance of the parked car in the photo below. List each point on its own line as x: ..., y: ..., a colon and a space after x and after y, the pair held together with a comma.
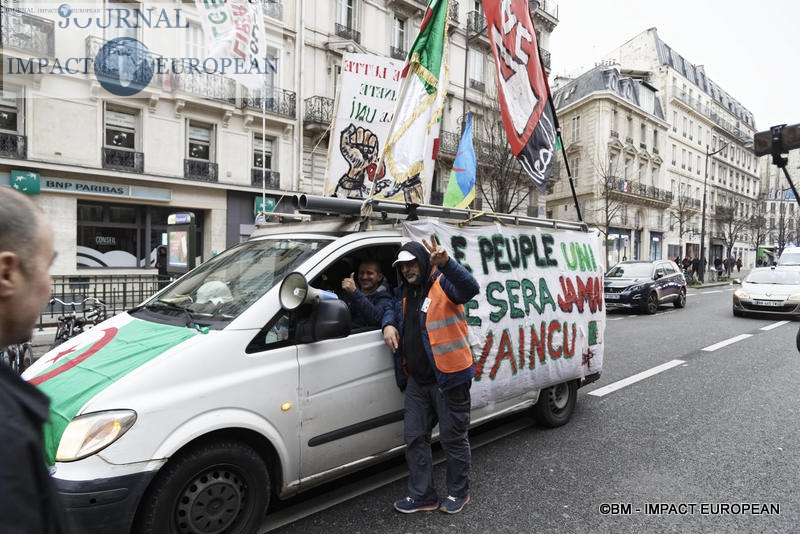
x: 644, y: 285
x: 790, y: 257
x: 769, y: 291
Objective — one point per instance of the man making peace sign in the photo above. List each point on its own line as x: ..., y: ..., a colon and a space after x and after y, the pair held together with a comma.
x: 427, y: 331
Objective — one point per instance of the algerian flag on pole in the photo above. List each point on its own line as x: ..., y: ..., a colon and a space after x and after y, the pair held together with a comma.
x: 461, y: 187
x: 412, y: 143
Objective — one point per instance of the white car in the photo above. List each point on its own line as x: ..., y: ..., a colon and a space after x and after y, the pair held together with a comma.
x: 769, y: 291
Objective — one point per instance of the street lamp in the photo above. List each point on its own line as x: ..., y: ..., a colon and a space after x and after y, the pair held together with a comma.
x: 703, y: 216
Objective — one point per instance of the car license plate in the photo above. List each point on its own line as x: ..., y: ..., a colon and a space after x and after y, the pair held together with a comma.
x: 768, y: 303
x: 612, y: 296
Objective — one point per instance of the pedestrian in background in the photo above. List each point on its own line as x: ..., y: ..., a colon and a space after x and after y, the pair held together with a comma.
x: 427, y: 331
x: 739, y: 264
x: 30, y: 503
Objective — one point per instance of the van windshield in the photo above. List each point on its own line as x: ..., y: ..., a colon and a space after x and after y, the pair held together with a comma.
x: 224, y: 286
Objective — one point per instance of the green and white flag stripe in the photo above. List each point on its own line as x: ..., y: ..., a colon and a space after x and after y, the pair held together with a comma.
x: 104, y: 355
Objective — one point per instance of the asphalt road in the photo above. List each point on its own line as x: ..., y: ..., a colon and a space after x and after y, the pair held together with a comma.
x: 701, y: 436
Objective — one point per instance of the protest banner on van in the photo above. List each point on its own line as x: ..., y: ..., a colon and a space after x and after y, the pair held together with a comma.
x: 539, y: 318
x: 365, y: 106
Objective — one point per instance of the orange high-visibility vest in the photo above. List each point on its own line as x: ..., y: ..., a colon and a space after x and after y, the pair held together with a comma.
x: 447, y: 331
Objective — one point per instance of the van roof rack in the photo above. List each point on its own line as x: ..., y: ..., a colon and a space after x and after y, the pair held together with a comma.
x: 373, y: 208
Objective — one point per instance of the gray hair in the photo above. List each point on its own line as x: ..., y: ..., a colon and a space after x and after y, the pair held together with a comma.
x: 19, y: 221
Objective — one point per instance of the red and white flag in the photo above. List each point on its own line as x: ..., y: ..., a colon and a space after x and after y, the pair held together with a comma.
x: 522, y: 86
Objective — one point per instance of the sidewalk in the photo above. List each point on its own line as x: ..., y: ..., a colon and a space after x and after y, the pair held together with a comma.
x: 734, y: 276
x: 42, y: 339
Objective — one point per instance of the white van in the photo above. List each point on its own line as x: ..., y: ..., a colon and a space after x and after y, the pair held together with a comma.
x: 191, y: 411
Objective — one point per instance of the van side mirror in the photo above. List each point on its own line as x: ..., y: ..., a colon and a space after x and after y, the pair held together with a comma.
x: 329, y: 319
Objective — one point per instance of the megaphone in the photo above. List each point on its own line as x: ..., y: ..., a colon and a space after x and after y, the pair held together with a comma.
x: 295, y: 292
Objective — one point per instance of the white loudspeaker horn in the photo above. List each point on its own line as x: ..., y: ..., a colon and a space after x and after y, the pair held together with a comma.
x: 295, y: 292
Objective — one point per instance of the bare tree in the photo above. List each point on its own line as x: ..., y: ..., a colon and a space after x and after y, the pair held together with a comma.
x: 501, y: 181
x: 730, y: 225
x: 681, y: 214
x: 610, y: 210
x: 756, y: 227
x: 782, y: 233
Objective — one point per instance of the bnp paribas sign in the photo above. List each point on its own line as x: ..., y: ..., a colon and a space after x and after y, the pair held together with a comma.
x: 121, y: 43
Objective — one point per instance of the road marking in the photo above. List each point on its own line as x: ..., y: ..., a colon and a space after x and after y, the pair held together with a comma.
x: 715, y: 346
x: 774, y: 325
x: 605, y: 390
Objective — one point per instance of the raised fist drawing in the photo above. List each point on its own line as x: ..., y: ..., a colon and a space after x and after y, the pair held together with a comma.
x: 359, y: 146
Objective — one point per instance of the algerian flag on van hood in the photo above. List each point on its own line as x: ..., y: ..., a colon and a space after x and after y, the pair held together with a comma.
x: 82, y: 367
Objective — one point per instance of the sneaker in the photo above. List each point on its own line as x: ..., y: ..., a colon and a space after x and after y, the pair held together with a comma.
x: 453, y: 505
x: 409, y: 505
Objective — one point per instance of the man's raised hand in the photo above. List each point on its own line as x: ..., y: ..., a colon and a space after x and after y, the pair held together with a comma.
x: 439, y: 256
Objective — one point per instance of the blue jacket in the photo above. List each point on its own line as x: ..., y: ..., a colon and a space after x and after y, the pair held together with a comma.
x: 368, y: 310
x: 459, y: 286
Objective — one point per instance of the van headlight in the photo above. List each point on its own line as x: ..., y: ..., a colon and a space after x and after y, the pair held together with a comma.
x: 87, y: 434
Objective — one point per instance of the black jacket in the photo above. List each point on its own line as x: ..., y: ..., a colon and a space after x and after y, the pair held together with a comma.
x: 30, y: 503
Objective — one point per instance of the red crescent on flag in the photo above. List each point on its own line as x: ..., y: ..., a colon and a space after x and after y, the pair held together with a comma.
x: 108, y: 335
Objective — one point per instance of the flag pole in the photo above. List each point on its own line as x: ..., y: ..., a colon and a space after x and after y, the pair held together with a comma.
x: 559, y: 141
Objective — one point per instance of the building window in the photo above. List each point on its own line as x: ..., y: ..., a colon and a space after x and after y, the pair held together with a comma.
x: 399, y: 34
x: 345, y: 13
x: 200, y: 141
x: 262, y: 152
x: 195, y: 42
x: 10, y: 110
x: 576, y: 166
x: 674, y: 160
x: 576, y: 127
x: 698, y: 164
x: 120, y: 129
x: 118, y: 14
x: 675, y: 121
x: 475, y: 66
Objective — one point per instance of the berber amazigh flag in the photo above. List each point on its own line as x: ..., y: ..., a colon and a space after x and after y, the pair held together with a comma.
x: 412, y: 142
x: 461, y: 187
x: 528, y: 117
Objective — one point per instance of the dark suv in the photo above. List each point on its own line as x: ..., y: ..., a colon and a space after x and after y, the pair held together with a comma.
x: 644, y: 285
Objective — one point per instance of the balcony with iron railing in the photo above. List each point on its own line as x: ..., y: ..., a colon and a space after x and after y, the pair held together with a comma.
x: 123, y: 160
x: 13, y: 146
x: 638, y: 191
x: 318, y: 112
x: 28, y: 33
x: 276, y: 101
x: 273, y: 9
x: 545, y: 58
x: 140, y: 67
x: 397, y: 52
x: 708, y: 111
x: 200, y: 170
x: 476, y: 23
x: 477, y: 85
x: 348, y: 33
x: 184, y: 78
x: 273, y: 178
x: 453, y: 13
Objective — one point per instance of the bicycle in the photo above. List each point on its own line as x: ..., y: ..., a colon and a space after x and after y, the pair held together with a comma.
x: 72, y: 324
x: 18, y: 357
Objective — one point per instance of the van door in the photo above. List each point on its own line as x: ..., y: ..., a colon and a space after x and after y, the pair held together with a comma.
x: 351, y: 407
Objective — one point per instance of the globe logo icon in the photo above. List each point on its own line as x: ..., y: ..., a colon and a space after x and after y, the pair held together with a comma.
x: 124, y: 66
x: 64, y: 10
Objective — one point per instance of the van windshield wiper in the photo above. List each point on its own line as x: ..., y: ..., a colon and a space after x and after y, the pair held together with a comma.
x: 165, y: 304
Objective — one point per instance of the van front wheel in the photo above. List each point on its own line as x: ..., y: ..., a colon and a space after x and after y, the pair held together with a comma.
x: 218, y: 487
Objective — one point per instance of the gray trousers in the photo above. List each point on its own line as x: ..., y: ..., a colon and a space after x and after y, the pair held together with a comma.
x: 424, y: 407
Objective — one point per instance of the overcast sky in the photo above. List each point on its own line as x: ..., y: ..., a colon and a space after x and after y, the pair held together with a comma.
x: 749, y: 48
